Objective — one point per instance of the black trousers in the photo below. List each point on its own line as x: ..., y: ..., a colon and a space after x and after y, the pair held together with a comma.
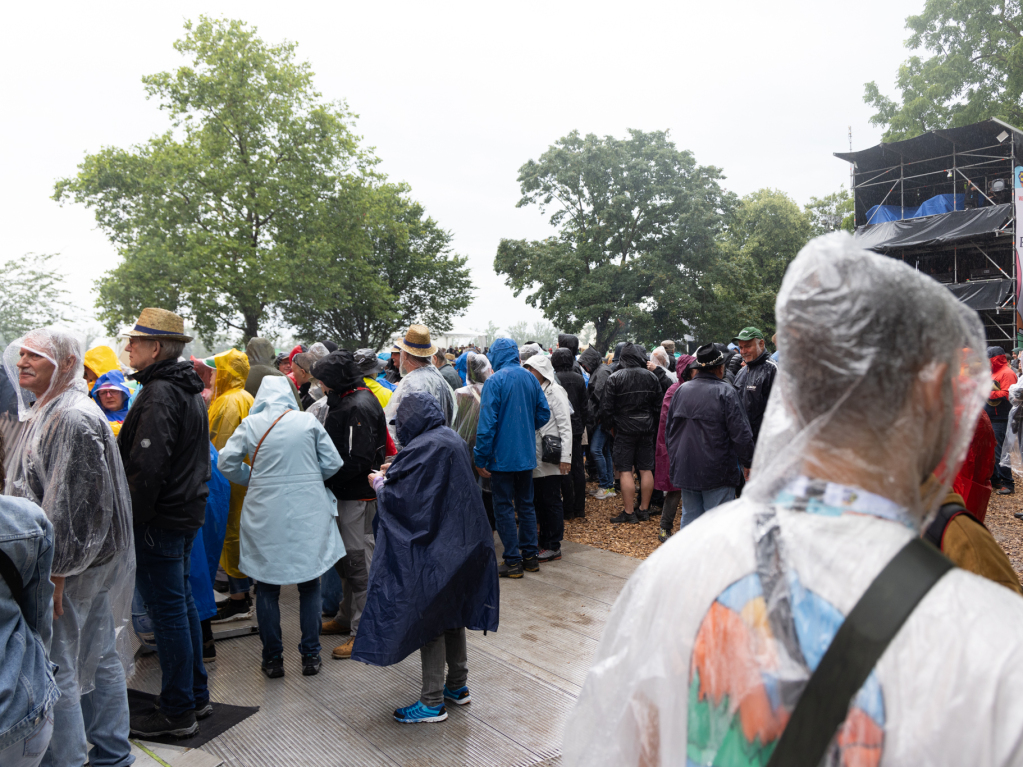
x: 573, y: 484
x: 549, y: 514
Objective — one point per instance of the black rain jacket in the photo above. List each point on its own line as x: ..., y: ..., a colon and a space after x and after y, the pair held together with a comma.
x: 754, y: 384
x: 358, y: 428
x: 165, y: 447
x: 733, y: 362
x: 632, y: 396
x: 570, y: 342
x: 573, y: 383
x: 707, y: 435
x: 599, y: 373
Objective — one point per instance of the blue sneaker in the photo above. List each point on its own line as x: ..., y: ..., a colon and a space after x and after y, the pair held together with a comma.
x: 459, y: 697
x: 417, y: 713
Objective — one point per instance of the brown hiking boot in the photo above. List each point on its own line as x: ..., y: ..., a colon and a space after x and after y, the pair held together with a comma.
x: 344, y: 651
x: 334, y: 626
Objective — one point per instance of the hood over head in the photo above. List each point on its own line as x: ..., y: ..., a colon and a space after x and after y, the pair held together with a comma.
x: 274, y: 396
x: 100, y: 360
x: 417, y: 413
x: 563, y: 359
x: 568, y: 341
x: 590, y: 359
x: 847, y: 397
x: 232, y: 372
x: 63, y: 350
x: 503, y: 354
x: 543, y: 365
x: 477, y: 368
x: 112, y: 380
x: 338, y: 371
x: 632, y: 356
x: 259, y: 351
x: 618, y: 351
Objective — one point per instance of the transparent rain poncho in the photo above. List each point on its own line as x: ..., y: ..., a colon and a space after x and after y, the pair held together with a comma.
x: 428, y: 379
x: 1012, y: 448
x: 713, y: 639
x: 66, y: 460
x: 467, y: 401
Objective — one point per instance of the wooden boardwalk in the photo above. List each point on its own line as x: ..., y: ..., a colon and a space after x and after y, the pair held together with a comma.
x: 524, y: 680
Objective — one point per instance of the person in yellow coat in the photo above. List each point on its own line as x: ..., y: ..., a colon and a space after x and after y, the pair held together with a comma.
x: 230, y: 404
x: 99, y: 361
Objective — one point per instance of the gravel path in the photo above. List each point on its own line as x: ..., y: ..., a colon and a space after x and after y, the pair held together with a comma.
x: 640, y: 540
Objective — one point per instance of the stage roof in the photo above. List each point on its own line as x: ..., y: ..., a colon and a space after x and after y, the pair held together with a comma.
x: 934, y: 145
x: 934, y: 230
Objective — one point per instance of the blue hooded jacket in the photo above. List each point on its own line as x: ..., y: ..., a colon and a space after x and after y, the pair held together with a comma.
x: 434, y: 567
x: 113, y: 379
x: 512, y: 408
x: 461, y: 366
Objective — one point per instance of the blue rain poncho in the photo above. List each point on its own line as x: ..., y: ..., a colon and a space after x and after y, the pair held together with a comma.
x: 434, y: 567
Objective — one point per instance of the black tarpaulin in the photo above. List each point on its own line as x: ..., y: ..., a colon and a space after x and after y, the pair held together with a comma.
x: 984, y: 294
x: 933, y: 230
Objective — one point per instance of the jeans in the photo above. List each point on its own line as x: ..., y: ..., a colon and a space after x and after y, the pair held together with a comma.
x: 268, y: 613
x: 696, y: 502
x: 573, y: 484
x: 238, y: 585
x: 355, y: 521
x: 85, y: 634
x: 1002, y: 475
x: 671, y: 499
x: 448, y: 648
x: 29, y: 752
x: 331, y: 591
x: 162, y: 567
x: 549, y: 511
x: 513, y: 497
x: 600, y: 449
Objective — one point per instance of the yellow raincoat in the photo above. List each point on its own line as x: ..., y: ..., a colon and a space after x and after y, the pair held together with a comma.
x: 229, y: 404
x: 100, y: 360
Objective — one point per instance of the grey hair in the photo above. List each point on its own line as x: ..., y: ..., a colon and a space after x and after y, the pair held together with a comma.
x: 169, y: 350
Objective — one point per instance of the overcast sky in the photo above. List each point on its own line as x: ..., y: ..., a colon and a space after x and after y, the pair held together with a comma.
x: 456, y: 96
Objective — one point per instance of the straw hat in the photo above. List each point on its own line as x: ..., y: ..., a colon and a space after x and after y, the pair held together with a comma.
x: 417, y: 342
x: 159, y: 324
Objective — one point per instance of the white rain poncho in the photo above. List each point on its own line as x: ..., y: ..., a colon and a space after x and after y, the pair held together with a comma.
x: 426, y: 379
x: 467, y: 402
x: 1012, y: 448
x: 712, y: 641
x: 66, y: 460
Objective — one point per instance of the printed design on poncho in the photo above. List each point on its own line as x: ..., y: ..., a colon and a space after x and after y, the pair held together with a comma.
x: 744, y: 682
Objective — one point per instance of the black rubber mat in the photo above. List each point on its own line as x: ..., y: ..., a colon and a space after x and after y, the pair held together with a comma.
x: 223, y: 718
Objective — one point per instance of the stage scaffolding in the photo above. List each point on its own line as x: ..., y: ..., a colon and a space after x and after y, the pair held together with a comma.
x: 943, y: 203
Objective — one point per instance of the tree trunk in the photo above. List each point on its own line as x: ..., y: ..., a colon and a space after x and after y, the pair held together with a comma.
x: 251, y: 327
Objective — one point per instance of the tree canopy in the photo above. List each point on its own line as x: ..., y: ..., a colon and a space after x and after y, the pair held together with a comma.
x: 633, y: 217
x: 974, y: 70
x: 32, y: 295
x: 258, y: 191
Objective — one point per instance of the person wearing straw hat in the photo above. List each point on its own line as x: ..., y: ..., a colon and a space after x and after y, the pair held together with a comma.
x: 419, y: 374
x: 164, y: 445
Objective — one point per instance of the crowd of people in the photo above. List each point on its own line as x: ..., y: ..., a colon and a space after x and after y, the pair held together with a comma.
x: 375, y: 482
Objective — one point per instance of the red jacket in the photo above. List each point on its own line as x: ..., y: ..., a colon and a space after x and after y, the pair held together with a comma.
x: 973, y: 482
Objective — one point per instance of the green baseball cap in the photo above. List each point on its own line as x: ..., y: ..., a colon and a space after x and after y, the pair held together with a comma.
x: 748, y: 334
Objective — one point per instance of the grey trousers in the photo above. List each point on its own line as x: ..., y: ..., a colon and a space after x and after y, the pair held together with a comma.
x: 448, y: 648
x: 355, y: 520
x: 671, y: 499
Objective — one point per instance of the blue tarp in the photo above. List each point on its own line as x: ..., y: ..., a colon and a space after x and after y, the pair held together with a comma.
x: 434, y: 567
x: 942, y: 203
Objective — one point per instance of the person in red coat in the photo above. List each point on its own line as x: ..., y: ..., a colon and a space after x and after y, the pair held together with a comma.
x: 973, y: 482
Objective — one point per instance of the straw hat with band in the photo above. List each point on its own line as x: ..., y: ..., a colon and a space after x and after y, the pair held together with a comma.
x: 417, y: 342
x: 159, y: 325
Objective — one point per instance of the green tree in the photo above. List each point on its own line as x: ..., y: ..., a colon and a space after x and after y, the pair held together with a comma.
x: 208, y: 217
x: 974, y: 70
x: 32, y: 295
x: 636, y: 221
x: 374, y: 268
x: 831, y: 213
x: 764, y: 233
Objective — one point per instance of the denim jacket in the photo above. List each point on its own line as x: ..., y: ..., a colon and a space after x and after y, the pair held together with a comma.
x: 27, y: 688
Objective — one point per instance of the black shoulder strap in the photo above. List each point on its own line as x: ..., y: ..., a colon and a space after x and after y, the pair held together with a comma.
x: 862, y: 638
x: 11, y: 576
x: 935, y: 532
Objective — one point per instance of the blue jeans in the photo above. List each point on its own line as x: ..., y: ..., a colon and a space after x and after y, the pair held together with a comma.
x: 99, y: 717
x: 238, y: 585
x: 268, y: 614
x: 513, y: 493
x: 162, y: 565
x: 29, y: 752
x: 600, y: 449
x: 331, y: 591
x: 696, y: 502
